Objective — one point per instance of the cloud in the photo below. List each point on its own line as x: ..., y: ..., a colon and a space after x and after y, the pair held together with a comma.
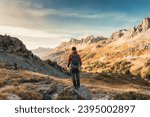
x: 27, y: 13
x: 13, y: 12
x: 42, y: 12
x: 34, y: 38
x: 19, y: 31
x: 33, y: 10
x: 37, y: 25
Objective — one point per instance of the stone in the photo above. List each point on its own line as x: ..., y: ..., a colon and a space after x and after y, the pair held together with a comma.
x: 84, y: 92
x: 70, y: 93
x: 9, y: 96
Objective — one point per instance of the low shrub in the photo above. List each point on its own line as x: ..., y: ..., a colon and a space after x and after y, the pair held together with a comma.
x: 145, y: 72
x: 131, y: 96
x: 121, y: 67
x: 136, y: 71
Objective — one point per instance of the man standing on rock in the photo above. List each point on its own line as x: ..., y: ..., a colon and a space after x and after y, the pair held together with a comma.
x: 75, y: 62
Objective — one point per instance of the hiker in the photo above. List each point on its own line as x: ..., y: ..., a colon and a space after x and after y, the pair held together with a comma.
x: 75, y: 62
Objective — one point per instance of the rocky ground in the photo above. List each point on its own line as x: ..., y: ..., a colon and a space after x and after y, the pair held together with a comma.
x: 22, y: 84
x: 27, y: 85
x: 107, y: 85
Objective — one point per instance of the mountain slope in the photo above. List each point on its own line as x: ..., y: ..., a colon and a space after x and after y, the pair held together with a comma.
x: 125, y: 51
x: 27, y: 85
x: 59, y: 53
x: 14, y: 55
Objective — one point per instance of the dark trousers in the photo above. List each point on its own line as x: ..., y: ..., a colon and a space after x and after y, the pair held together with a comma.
x: 76, y: 79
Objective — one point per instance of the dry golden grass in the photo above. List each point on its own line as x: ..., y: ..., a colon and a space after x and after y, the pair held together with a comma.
x: 110, y: 83
x: 21, y: 83
x: 131, y: 96
x: 24, y: 83
x: 145, y: 72
x: 135, y: 70
x: 2, y: 96
x: 22, y: 92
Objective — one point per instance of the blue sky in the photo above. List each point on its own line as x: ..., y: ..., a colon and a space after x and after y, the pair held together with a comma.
x: 47, y: 23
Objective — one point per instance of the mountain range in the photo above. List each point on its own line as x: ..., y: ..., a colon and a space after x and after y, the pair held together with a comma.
x: 126, y: 51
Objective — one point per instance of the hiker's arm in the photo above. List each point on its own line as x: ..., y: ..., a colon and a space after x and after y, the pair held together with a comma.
x: 80, y: 60
x: 69, y: 60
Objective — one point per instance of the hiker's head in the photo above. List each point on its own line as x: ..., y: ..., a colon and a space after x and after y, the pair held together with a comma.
x: 74, y: 48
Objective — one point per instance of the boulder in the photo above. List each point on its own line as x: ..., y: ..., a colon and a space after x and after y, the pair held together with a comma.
x: 70, y: 93
x: 84, y: 92
x: 9, y: 96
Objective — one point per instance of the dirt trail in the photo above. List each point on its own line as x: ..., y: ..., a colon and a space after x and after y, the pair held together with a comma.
x: 105, y: 86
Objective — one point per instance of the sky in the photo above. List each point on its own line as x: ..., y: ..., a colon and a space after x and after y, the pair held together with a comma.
x: 47, y: 23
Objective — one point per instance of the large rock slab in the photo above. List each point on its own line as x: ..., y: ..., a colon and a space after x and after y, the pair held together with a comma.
x: 84, y: 92
x: 70, y: 93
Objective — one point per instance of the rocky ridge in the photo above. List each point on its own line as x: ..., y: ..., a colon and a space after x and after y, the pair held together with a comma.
x: 13, y: 54
x: 144, y: 26
x: 123, y: 46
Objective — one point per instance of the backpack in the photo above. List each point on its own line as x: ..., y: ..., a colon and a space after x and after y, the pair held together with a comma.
x: 75, y: 62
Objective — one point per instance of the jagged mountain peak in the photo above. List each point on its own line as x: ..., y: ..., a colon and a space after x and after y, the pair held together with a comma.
x: 144, y: 26
x: 86, y: 40
x: 73, y: 40
x: 89, y: 37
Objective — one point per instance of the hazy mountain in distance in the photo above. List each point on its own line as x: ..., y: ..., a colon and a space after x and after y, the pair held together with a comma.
x: 40, y: 51
x: 126, y: 51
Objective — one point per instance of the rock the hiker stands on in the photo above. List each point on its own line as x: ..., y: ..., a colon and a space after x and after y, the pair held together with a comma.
x: 84, y: 92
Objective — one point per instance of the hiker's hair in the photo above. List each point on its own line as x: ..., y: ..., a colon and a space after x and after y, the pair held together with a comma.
x: 74, y: 48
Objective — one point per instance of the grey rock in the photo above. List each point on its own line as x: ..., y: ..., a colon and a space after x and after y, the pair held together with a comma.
x: 12, y: 97
x: 84, y: 92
